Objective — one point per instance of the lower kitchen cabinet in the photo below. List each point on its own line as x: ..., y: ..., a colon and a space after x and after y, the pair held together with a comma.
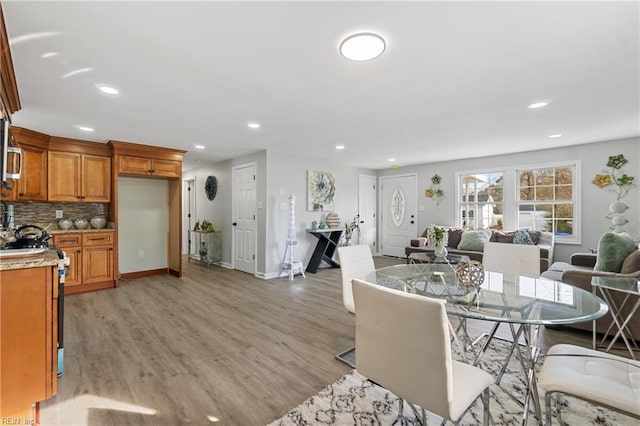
x: 91, y: 259
x: 28, y: 341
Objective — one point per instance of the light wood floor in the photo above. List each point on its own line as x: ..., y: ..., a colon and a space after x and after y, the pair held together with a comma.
x: 216, y: 346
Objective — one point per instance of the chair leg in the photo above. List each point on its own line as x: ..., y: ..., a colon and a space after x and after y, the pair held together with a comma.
x: 341, y: 356
x: 559, y: 408
x: 547, y: 407
x: 485, y: 404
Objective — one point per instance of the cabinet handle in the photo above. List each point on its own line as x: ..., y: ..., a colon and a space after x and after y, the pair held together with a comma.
x: 78, y: 196
x: 99, y: 239
x: 21, y: 194
x: 68, y: 241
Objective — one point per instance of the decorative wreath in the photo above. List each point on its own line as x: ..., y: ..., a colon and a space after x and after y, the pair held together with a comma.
x: 211, y: 187
x: 470, y: 274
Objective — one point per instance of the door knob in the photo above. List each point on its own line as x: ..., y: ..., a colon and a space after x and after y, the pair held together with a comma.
x: 235, y: 223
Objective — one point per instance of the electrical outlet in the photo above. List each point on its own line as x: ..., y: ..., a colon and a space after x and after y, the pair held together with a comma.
x: 58, y: 214
x: 140, y: 253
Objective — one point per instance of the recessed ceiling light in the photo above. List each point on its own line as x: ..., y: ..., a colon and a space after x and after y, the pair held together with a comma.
x: 199, y: 146
x: 538, y: 105
x: 391, y: 159
x: 108, y: 89
x: 76, y: 72
x: 339, y: 147
x: 557, y: 135
x: 49, y: 55
x: 362, y: 46
x: 253, y: 125
x: 84, y: 128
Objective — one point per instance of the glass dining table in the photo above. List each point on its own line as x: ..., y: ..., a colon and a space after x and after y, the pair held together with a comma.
x: 525, y: 303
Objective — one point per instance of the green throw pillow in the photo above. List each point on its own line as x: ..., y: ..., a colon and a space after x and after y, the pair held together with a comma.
x: 474, y: 240
x: 613, y: 249
x: 522, y: 237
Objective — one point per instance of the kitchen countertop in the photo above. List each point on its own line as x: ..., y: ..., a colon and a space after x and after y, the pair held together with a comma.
x: 54, y: 231
x: 47, y: 258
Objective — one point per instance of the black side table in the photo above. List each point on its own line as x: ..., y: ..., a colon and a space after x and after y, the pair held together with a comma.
x: 328, y: 239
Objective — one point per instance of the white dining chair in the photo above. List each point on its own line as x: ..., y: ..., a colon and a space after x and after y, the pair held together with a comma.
x: 355, y: 262
x: 403, y: 344
x: 519, y: 259
x: 598, y: 377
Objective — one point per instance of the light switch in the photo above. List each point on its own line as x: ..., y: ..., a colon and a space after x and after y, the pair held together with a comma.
x: 421, y: 208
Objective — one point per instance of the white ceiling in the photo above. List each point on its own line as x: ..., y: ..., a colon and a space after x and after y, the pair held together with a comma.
x: 454, y: 82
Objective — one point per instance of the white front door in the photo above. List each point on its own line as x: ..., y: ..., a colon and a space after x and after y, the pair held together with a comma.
x: 244, y: 218
x: 367, y: 211
x: 399, y: 211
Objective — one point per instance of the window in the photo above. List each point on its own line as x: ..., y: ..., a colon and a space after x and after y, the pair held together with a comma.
x: 543, y: 197
x: 481, y: 200
x: 546, y: 200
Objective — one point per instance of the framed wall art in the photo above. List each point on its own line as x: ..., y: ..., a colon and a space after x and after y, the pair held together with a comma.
x: 321, y: 190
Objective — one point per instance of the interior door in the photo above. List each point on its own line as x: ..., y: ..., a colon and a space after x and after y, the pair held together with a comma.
x: 244, y: 218
x: 367, y: 197
x: 399, y: 213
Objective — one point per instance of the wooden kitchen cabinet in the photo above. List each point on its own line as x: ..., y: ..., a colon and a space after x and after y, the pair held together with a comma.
x: 32, y: 185
x: 139, y: 166
x: 91, y: 258
x: 71, y: 244
x: 77, y: 177
x: 28, y: 340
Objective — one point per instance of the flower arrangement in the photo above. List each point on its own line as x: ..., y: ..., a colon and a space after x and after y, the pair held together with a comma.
x: 437, y: 236
x: 354, y: 225
x: 623, y: 182
x: 434, y: 191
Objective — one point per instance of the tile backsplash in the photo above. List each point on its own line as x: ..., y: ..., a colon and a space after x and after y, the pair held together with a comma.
x: 34, y: 212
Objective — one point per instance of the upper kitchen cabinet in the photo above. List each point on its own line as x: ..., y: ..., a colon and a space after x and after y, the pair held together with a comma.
x: 9, y: 99
x: 32, y: 185
x: 79, y: 173
x: 149, y: 161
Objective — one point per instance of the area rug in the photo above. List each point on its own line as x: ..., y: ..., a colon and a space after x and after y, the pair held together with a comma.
x: 353, y: 400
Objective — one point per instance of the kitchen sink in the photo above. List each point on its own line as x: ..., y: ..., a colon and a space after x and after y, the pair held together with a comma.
x: 26, y: 252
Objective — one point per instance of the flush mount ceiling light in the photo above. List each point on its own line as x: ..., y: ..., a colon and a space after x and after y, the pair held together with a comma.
x: 538, y: 105
x: 253, y: 125
x: 339, y: 147
x: 84, y: 128
x: 557, y: 135
x: 49, y: 55
x: 107, y: 89
x: 362, y: 46
x: 198, y: 146
x: 391, y: 160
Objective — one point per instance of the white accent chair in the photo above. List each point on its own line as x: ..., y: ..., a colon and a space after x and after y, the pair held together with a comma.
x: 598, y: 377
x: 403, y: 344
x: 355, y: 262
x: 518, y: 259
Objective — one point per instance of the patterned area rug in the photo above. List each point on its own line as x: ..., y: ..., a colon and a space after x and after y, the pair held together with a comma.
x: 353, y: 400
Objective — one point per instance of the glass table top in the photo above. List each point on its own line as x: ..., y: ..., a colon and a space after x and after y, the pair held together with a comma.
x: 501, y: 297
x: 625, y: 285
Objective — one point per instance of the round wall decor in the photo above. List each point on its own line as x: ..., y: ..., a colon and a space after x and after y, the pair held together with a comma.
x: 211, y: 187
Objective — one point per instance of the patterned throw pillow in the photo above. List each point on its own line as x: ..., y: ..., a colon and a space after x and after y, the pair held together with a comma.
x: 522, y: 237
x: 474, y: 240
x: 613, y: 249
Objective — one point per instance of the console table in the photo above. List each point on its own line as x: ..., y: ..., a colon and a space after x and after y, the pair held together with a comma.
x: 328, y: 239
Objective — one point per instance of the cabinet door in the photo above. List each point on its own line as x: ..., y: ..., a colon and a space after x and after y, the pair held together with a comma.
x: 96, y: 179
x: 134, y: 165
x: 64, y: 176
x: 9, y: 194
x: 32, y: 185
x: 74, y: 271
x: 97, y: 264
x: 165, y: 168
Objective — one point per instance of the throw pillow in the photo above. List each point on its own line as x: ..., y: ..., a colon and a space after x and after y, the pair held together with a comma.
x: 474, y: 240
x: 455, y: 234
x: 535, y: 235
x: 522, y: 237
x: 632, y: 263
x: 503, y: 237
x: 613, y: 249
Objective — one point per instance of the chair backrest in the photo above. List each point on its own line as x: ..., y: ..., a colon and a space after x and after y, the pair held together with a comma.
x: 355, y: 262
x: 402, y: 343
x: 521, y: 259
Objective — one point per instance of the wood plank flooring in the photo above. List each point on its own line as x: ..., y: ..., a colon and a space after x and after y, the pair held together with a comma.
x: 216, y: 346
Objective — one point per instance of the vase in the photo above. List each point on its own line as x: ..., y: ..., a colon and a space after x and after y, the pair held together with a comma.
x: 440, y: 251
x: 203, y: 252
x: 618, y: 207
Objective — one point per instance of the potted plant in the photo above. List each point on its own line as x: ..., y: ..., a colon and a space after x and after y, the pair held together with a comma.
x: 437, y: 237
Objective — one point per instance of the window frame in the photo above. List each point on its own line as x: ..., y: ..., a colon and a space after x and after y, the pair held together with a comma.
x: 510, y: 194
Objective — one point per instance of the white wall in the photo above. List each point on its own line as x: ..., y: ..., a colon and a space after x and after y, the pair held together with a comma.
x: 594, y: 201
x: 143, y: 224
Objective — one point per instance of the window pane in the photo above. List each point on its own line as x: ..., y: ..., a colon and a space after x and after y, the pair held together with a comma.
x: 544, y: 193
x: 564, y: 211
x: 526, y: 178
x: 527, y: 194
x: 544, y: 176
x: 564, y: 175
x: 564, y: 192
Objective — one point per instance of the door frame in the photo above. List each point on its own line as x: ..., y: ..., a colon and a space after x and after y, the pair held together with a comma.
x: 189, y: 199
x: 233, y: 215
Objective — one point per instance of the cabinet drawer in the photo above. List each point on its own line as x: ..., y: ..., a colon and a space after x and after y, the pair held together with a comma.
x: 97, y: 239
x: 67, y: 240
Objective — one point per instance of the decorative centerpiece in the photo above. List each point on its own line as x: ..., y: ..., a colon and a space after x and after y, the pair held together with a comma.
x: 470, y: 276
x: 620, y: 183
x: 332, y: 220
x: 437, y: 238
x: 203, y: 251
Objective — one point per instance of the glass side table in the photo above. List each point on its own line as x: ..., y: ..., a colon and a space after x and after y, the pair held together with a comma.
x: 630, y: 287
